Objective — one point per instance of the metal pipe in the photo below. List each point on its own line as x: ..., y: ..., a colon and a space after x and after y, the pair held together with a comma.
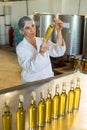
x: 79, y: 7
x: 27, y: 7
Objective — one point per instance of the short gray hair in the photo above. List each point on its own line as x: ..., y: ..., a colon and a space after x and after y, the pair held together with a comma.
x: 22, y: 21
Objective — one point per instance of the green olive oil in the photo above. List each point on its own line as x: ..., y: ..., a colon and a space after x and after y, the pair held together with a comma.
x: 41, y: 111
x: 63, y: 101
x: 48, y: 32
x: 32, y: 113
x: 77, y: 94
x: 71, y: 96
x: 55, y: 103
x: 48, y: 107
x: 7, y: 118
x: 20, y: 115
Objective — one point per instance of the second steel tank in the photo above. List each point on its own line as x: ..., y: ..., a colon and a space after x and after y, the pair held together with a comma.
x: 73, y: 33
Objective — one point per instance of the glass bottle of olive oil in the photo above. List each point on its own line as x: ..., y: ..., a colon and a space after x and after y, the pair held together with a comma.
x: 32, y: 112
x: 55, y: 103
x: 77, y: 94
x: 7, y: 118
x: 41, y: 111
x: 71, y: 96
x: 63, y: 101
x: 48, y: 32
x: 20, y: 115
x: 48, y: 107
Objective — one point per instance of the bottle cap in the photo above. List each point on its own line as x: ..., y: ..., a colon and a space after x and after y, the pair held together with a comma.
x: 78, y: 79
x: 72, y: 83
x: 33, y: 95
x: 43, y: 94
x: 64, y: 86
x: 7, y: 109
x: 7, y: 102
x: 21, y: 98
x: 57, y: 88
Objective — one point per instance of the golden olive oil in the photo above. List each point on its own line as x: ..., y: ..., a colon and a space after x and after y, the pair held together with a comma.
x: 48, y: 32
x: 20, y: 115
x: 63, y: 101
x: 77, y: 94
x: 55, y: 104
x: 71, y: 96
x: 32, y: 114
x: 7, y: 118
x: 41, y: 111
x: 48, y: 107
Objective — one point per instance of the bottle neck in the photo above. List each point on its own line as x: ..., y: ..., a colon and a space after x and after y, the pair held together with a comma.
x: 52, y: 25
x: 64, y: 88
x: 49, y: 94
x: 41, y: 97
x: 72, y: 86
x: 7, y: 109
x: 20, y: 105
x: 63, y: 91
x: 32, y: 102
x: 78, y: 67
x: 57, y: 90
x: 78, y: 83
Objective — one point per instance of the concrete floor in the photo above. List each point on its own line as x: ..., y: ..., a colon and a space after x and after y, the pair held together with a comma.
x: 9, y: 68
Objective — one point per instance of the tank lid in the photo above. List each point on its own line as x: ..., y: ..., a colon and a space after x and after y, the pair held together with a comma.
x: 43, y: 13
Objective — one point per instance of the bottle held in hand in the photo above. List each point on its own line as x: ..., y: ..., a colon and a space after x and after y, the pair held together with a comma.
x: 48, y: 32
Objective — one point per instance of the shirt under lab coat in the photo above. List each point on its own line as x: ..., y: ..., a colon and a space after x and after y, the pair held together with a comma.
x: 35, y: 66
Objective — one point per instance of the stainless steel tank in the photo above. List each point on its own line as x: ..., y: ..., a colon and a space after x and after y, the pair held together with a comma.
x: 43, y: 20
x: 73, y: 33
x: 84, y: 52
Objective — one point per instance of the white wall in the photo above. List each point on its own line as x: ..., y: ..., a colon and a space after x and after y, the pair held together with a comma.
x: 18, y: 8
x: 83, y: 7
x: 1, y: 7
x: 74, y: 7
x: 70, y: 6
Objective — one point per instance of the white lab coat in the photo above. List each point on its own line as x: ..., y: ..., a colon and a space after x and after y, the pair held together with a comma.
x: 35, y: 66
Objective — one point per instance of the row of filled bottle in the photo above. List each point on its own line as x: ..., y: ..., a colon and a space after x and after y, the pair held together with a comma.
x: 46, y: 110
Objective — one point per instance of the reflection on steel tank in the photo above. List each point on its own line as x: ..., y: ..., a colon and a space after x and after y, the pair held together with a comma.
x: 43, y: 20
x: 84, y: 52
x: 73, y: 33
